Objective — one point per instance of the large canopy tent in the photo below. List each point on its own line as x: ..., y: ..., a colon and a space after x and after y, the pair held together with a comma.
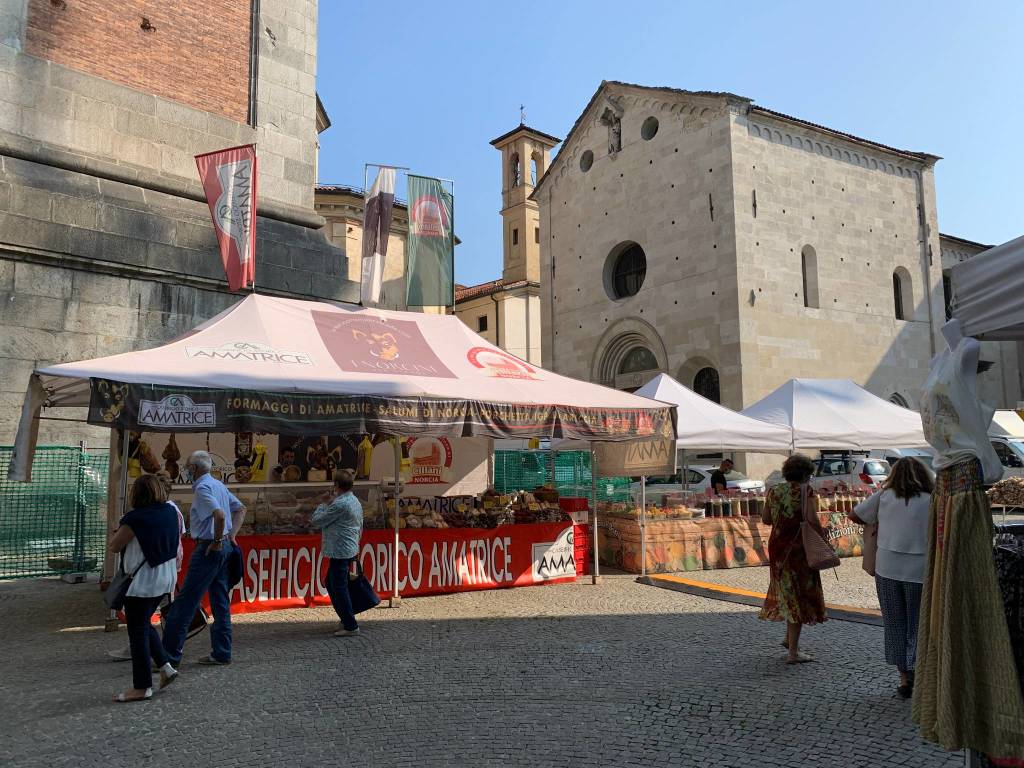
x: 987, y: 293
x: 836, y: 413
x: 313, y: 368
x: 706, y: 425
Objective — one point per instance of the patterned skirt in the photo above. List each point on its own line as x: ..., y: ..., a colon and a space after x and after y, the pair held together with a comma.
x: 966, y: 692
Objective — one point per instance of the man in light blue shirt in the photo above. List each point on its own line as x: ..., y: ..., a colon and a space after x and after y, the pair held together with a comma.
x: 340, y: 519
x: 215, y: 517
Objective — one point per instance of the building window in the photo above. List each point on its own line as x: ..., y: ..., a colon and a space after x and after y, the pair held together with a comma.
x: 536, y: 234
x: 515, y: 171
x: 533, y: 171
x: 903, y: 300
x: 481, y: 323
x: 809, y: 273
x: 947, y: 293
x: 897, y: 399
x: 586, y: 161
x: 515, y: 237
x: 706, y: 384
x: 626, y: 269
x: 649, y: 129
x: 638, y: 360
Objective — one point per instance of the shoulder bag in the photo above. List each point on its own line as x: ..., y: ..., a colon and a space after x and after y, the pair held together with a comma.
x: 360, y: 591
x: 819, y: 553
x: 118, y: 589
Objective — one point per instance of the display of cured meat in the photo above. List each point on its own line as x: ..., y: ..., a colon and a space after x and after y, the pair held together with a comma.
x: 1008, y: 492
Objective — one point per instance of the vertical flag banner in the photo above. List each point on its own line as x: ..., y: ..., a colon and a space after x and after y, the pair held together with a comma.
x: 430, y: 276
x: 229, y: 180
x: 377, y: 209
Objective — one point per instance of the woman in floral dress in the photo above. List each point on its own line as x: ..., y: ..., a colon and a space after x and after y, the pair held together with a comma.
x: 794, y: 593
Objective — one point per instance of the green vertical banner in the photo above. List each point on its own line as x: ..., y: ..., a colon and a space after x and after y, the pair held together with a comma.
x: 430, y: 276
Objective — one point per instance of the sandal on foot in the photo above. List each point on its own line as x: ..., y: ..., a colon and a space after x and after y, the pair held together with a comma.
x: 122, y: 699
x: 800, y: 658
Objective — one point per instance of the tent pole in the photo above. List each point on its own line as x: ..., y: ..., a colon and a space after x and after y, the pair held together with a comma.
x: 111, y: 624
x: 396, y: 599
x: 596, y: 577
x: 643, y: 525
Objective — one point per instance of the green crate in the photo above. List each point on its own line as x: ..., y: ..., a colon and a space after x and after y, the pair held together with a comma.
x: 525, y: 470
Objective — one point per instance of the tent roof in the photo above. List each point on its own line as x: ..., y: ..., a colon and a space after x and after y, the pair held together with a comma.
x: 837, y: 413
x: 987, y: 291
x: 706, y: 425
x: 264, y: 344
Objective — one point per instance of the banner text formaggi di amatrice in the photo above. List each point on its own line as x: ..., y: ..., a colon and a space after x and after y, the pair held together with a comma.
x: 183, y: 409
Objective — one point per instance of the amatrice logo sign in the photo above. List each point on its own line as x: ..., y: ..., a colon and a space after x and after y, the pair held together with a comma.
x: 177, y: 411
x: 251, y: 351
x: 554, y: 559
x: 499, y: 364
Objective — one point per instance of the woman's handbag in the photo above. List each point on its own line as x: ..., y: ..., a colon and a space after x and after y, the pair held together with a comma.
x: 118, y: 589
x: 360, y: 591
x: 819, y: 553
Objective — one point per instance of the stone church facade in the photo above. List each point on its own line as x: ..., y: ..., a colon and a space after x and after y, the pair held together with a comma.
x: 733, y: 247
x: 106, y: 243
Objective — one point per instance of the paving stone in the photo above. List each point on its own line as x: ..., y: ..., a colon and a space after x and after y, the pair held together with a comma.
x: 618, y: 674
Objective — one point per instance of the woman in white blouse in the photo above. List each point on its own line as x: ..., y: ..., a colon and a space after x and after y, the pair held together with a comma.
x: 901, y: 511
x: 148, y: 537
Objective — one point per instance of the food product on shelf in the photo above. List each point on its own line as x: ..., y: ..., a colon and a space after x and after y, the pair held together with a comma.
x: 1008, y: 492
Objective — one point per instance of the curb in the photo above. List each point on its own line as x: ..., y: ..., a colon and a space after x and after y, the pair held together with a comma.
x: 756, y: 599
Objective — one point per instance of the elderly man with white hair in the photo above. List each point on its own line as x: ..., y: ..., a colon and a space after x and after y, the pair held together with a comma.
x: 215, y: 517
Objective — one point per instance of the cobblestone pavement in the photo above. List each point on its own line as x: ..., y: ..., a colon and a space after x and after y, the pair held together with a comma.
x: 614, y: 675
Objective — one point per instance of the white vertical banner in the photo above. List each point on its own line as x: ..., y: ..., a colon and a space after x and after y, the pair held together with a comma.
x: 377, y: 209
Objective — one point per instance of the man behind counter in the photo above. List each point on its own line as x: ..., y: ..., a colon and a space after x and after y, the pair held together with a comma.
x: 718, y: 482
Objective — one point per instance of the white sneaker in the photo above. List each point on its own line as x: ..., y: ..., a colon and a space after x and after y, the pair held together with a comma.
x: 346, y: 632
x: 123, y: 654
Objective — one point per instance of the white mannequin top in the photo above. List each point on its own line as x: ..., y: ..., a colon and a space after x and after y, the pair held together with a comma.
x: 955, y: 421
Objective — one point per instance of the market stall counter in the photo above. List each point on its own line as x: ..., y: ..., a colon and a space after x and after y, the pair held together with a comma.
x: 698, y: 532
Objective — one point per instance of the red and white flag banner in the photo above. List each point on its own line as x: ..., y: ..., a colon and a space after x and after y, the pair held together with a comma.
x: 229, y: 180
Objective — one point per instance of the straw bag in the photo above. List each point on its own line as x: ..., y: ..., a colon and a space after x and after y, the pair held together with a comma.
x: 819, y: 553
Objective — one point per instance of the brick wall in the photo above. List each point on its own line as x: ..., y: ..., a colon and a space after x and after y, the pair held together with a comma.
x: 198, y: 53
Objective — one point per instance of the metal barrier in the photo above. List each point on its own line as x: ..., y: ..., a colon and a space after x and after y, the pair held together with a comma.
x: 57, y: 523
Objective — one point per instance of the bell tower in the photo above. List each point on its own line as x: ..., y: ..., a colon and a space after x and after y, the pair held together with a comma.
x: 525, y: 156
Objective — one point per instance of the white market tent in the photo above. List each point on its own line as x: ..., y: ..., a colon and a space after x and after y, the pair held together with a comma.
x: 988, y: 293
x: 706, y: 425
x: 839, y: 414
x: 304, y: 367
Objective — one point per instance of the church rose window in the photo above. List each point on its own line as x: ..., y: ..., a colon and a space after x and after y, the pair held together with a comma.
x: 628, y: 272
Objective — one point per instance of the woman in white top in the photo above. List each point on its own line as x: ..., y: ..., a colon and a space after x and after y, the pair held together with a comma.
x: 901, y: 511
x: 148, y: 537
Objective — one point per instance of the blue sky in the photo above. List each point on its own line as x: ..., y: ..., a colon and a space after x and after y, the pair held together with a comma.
x: 429, y: 85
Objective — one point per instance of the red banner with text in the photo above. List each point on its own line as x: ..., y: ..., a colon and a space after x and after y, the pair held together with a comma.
x: 290, y: 571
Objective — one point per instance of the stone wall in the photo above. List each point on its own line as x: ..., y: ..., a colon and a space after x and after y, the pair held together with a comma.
x: 670, y: 194
x: 106, y: 243
x: 857, y: 208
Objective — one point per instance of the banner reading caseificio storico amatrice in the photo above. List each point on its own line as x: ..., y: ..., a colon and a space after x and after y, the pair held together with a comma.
x: 183, y: 409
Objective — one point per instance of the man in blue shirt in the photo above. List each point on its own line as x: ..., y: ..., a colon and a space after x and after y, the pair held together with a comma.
x: 214, y: 518
x: 340, y: 518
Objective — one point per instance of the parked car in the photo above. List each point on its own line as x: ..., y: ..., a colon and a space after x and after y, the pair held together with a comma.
x: 850, y: 470
x: 699, y: 481
x: 892, y: 455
